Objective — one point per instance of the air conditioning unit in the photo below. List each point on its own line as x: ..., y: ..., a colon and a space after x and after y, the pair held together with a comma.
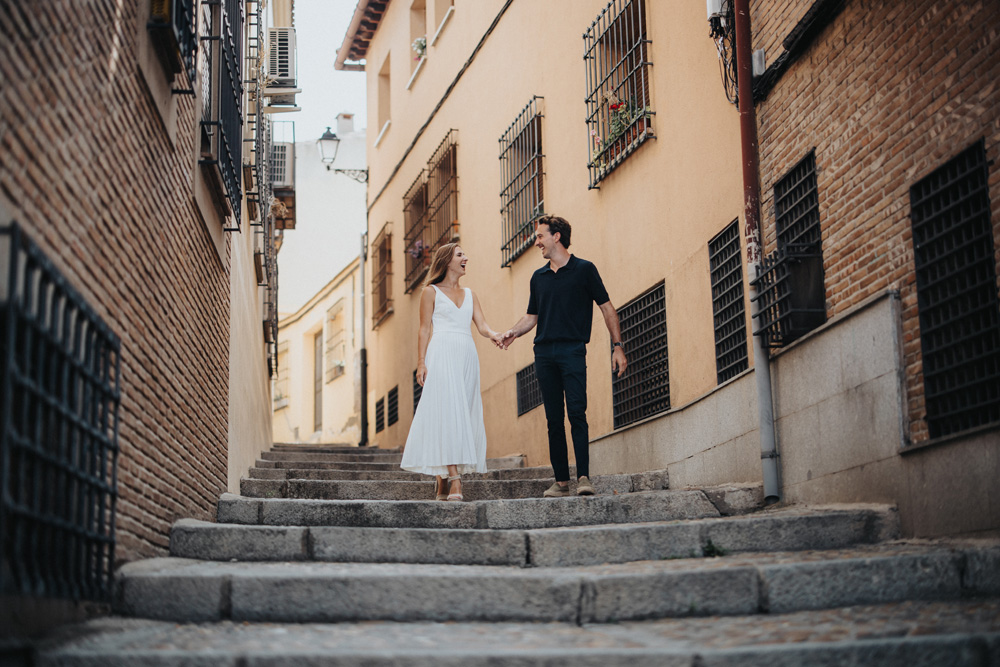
x: 281, y: 58
x: 281, y: 165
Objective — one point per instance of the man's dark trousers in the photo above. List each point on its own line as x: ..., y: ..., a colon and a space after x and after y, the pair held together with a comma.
x: 561, y: 369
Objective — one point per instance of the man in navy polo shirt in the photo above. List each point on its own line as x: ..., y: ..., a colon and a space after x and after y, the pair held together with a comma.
x: 562, y: 292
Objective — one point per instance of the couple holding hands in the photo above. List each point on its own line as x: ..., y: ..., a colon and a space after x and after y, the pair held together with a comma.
x: 447, y: 436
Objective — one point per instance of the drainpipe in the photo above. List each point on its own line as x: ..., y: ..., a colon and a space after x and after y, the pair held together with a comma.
x: 364, y: 350
x: 751, y: 232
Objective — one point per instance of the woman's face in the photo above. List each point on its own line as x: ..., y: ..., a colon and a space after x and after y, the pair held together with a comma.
x: 458, y: 261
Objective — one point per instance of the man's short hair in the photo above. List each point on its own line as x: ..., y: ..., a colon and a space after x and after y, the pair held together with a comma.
x: 559, y: 226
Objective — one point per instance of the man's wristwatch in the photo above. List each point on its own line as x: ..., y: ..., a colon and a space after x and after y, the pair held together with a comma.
x: 614, y: 345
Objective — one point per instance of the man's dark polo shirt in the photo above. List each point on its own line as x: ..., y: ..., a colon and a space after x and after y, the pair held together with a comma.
x: 562, y: 300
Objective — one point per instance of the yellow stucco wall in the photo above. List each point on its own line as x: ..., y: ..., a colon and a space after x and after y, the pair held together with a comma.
x: 651, y: 219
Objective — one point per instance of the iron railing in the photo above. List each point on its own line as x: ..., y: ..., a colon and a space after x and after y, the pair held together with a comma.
x: 173, y: 24
x: 392, y: 406
x: 728, y: 309
x: 619, y: 111
x: 796, y: 205
x: 645, y: 390
x: 60, y: 365
x: 522, y: 198
x: 529, y: 393
x: 418, y: 391
x: 790, y: 294
x: 380, y: 415
x: 955, y: 260
x: 442, y: 191
x: 416, y: 238
x: 382, y: 275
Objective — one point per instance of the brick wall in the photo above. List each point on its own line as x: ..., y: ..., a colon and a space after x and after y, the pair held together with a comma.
x: 886, y: 93
x: 106, y: 186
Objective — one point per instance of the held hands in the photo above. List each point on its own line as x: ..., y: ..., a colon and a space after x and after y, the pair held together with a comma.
x: 503, y: 340
x: 497, y: 339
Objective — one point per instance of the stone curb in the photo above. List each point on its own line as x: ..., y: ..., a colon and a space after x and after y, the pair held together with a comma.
x: 546, y: 547
x: 186, y: 590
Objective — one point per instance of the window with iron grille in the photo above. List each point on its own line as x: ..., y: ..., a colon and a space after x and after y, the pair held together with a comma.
x: 380, y: 415
x: 521, y: 171
x: 173, y: 27
x: 442, y: 191
x: 392, y: 406
x: 417, y: 236
x: 619, y: 112
x: 382, y: 275
x: 954, y: 254
x: 418, y: 390
x: 529, y: 394
x: 222, y: 119
x: 60, y: 368
x: 645, y: 390
x: 790, y: 288
x: 728, y: 311
x: 336, y: 341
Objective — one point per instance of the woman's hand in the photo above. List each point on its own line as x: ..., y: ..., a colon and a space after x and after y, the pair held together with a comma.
x: 421, y: 373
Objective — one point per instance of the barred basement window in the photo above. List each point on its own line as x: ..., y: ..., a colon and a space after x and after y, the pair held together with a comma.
x: 172, y: 26
x: 417, y: 235
x: 790, y: 288
x: 60, y: 366
x: 392, y: 405
x: 645, y: 390
x: 529, y: 394
x: 955, y: 260
x: 521, y: 196
x: 222, y: 113
x: 616, y: 57
x: 442, y: 191
x: 726, y: 264
x: 382, y: 275
x: 418, y: 390
x: 380, y: 415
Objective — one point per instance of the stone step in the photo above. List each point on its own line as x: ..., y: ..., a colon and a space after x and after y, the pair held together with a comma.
x: 185, y: 590
x: 491, y: 464
x: 472, y: 488
x: 783, y: 530
x: 352, y: 457
x: 541, y: 472
x: 521, y: 513
x: 330, y: 448
x: 901, y: 634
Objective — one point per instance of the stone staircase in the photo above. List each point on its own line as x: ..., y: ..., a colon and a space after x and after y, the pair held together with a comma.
x: 334, y: 556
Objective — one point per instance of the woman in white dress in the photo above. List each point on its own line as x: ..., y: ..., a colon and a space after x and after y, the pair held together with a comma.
x: 447, y: 436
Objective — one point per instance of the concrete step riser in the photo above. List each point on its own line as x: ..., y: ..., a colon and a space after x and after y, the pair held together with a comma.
x: 472, y: 489
x: 377, y: 464
x: 543, y: 548
x: 331, y: 458
x: 400, y: 475
x: 525, y: 513
x: 288, y: 593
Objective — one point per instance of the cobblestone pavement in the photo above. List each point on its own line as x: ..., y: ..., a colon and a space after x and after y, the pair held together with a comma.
x: 897, y: 620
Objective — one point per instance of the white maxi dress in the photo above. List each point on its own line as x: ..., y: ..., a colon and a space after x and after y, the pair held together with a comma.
x: 448, y: 426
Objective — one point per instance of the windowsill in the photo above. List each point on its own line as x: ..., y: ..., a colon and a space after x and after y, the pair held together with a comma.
x: 444, y: 22
x: 381, y: 133
x: 961, y: 436
x: 416, y: 71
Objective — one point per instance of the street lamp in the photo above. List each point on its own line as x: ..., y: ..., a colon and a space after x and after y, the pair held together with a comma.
x: 329, y: 144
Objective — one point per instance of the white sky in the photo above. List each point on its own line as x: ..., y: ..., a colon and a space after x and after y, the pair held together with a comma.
x: 320, y: 26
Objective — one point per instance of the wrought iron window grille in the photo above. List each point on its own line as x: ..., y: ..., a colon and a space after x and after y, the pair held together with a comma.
x: 645, y: 389
x: 790, y: 288
x: 382, y: 275
x: 416, y: 238
x: 418, y: 391
x: 955, y: 261
x: 619, y: 111
x: 60, y: 365
x: 521, y: 179
x: 442, y: 191
x: 529, y: 394
x: 728, y: 310
x: 380, y: 415
x: 222, y: 122
x: 392, y: 406
x: 173, y: 27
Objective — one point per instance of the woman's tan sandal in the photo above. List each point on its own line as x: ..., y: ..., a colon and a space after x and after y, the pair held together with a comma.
x: 440, y: 487
x: 454, y: 496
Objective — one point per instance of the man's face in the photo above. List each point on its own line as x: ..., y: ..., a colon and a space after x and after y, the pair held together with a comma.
x: 545, y: 240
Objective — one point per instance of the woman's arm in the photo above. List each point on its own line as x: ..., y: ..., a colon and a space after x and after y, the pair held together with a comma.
x: 424, y: 332
x: 480, y: 321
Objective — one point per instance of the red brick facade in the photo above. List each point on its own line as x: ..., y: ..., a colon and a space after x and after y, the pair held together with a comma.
x: 90, y: 169
x: 886, y: 93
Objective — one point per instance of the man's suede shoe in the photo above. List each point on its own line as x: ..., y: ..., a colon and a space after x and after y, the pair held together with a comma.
x: 556, y: 491
x: 584, y: 487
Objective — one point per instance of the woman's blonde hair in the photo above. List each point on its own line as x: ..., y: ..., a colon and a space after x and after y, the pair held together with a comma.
x: 439, y: 263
